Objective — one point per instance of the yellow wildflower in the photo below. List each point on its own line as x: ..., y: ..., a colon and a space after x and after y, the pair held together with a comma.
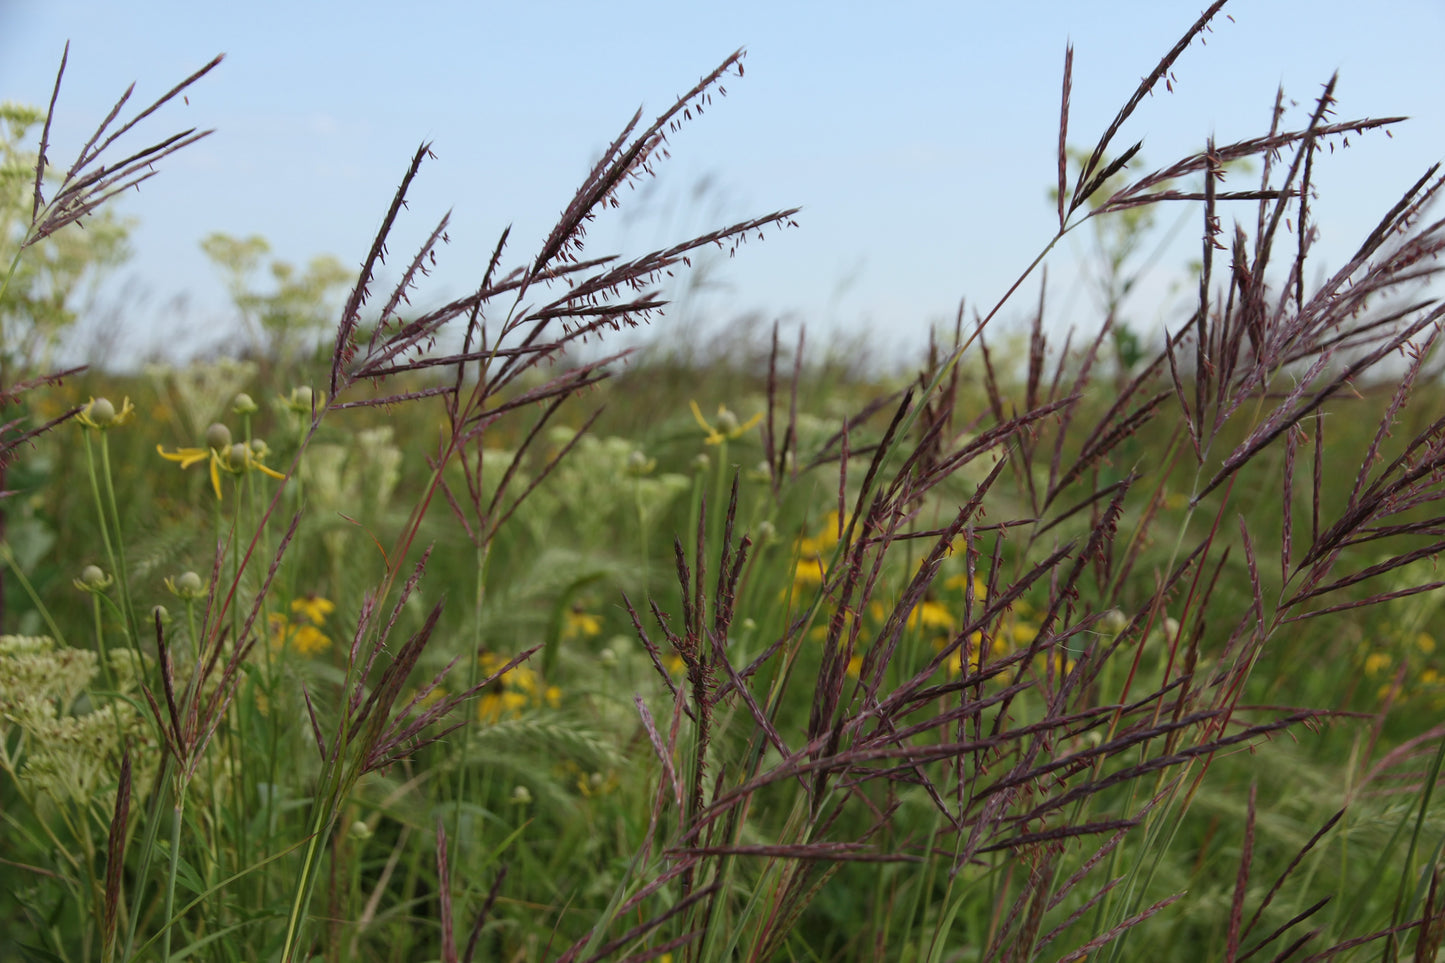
x: 728, y: 426
x: 431, y: 698
x: 825, y: 541
x: 808, y: 574
x: 495, y: 706
x: 1022, y: 633
x: 304, y: 638
x: 577, y: 623
x: 930, y: 615
x: 308, y: 640
x: 825, y: 625
x: 313, y: 608
x: 965, y: 655
x: 811, y: 565
x: 100, y: 414
x: 1376, y: 662
x: 234, y: 459
x: 515, y: 690
x: 960, y: 583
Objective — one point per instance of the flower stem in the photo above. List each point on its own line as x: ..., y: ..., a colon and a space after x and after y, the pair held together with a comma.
x: 13, y: 563
x: 177, y: 813
x: 119, y: 560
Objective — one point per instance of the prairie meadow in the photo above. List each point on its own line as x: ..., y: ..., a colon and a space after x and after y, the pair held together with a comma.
x: 465, y: 637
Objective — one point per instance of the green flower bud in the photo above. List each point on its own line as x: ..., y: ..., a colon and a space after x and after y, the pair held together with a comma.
x: 187, y: 585
x: 639, y: 464
x: 1114, y: 622
x: 300, y: 400
x: 93, y: 579
x: 218, y: 437
x: 101, y: 414
x: 100, y: 411
x: 244, y: 405
x: 238, y: 456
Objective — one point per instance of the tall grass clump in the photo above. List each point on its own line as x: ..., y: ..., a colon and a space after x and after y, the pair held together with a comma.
x: 1036, y: 656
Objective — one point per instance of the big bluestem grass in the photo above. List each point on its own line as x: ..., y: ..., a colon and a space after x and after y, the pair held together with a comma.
x: 978, y: 669
x: 1078, y: 751
x: 93, y: 179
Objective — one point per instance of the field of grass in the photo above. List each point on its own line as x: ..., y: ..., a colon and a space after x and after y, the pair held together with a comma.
x: 455, y: 643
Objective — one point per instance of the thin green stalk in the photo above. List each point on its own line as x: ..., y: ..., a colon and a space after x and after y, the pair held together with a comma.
x: 357, y: 844
x: 695, y: 503
x: 177, y: 813
x: 233, y: 542
x: 718, y: 509
x: 247, y: 496
x: 473, y: 669
x: 100, y: 512
x: 147, y: 850
x: 1408, y: 869
x: 9, y: 558
x: 5, y: 285
x: 191, y: 628
x: 119, y: 560
x: 100, y: 641
x: 1157, y: 838
x: 306, y: 882
x: 642, y: 540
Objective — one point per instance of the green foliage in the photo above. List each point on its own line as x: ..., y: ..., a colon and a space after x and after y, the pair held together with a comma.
x: 287, y: 312
x: 40, y: 304
x: 559, y: 789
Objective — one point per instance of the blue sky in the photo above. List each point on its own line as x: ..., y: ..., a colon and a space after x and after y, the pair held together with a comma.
x: 919, y: 139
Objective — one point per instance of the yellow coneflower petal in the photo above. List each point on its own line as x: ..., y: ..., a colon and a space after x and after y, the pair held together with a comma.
x: 713, y: 435
x: 186, y: 457
x: 748, y: 425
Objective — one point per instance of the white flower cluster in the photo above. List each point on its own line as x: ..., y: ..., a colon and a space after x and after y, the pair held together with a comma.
x: 67, y: 748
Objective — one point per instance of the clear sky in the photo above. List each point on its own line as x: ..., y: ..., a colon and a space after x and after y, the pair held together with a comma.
x: 919, y: 138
